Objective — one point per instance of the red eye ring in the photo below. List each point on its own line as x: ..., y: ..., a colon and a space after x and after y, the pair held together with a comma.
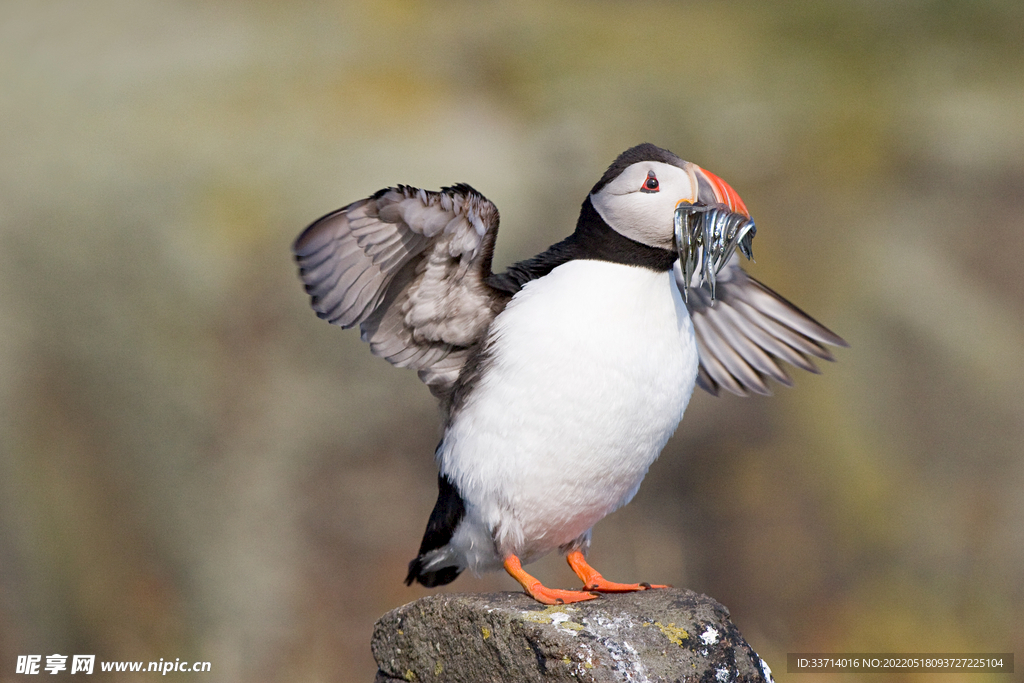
x: 651, y: 184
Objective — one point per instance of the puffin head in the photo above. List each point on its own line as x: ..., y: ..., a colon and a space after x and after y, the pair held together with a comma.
x: 652, y: 196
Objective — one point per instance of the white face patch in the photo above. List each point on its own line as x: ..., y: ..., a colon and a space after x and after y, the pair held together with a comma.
x: 632, y: 209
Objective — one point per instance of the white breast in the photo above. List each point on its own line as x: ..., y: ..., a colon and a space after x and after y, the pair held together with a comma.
x: 591, y: 369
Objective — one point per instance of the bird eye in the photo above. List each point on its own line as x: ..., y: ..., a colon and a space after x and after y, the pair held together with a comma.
x: 651, y: 184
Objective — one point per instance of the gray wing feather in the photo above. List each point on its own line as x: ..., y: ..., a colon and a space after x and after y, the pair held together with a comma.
x: 747, y: 330
x: 409, y: 267
x: 751, y: 342
x: 729, y: 357
x: 717, y: 374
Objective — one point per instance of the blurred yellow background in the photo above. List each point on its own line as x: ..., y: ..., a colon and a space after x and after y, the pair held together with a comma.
x: 194, y: 466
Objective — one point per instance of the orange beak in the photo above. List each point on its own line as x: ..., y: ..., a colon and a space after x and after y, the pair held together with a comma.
x: 726, y: 194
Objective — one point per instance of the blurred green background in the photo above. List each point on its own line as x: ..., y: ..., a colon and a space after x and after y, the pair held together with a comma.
x: 194, y: 466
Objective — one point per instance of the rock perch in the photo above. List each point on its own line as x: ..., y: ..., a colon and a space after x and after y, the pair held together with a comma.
x: 655, y: 635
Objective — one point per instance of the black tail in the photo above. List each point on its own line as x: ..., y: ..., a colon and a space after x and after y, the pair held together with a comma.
x: 438, y: 577
x: 448, y: 512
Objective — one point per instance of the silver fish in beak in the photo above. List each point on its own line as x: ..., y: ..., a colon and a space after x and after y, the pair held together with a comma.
x: 706, y: 236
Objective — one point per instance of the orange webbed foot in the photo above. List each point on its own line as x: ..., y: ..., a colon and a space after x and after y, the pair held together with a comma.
x: 557, y: 596
x: 602, y: 585
x: 538, y: 591
x: 593, y: 581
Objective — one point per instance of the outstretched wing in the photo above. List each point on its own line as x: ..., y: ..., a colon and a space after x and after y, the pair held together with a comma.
x: 748, y: 330
x: 409, y: 267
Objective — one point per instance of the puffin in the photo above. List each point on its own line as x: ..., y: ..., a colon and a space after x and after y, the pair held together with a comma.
x: 560, y: 379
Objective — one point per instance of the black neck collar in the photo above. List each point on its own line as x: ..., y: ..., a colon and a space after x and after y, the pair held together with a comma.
x: 595, y: 239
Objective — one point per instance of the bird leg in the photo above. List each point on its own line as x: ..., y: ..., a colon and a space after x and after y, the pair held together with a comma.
x: 536, y: 590
x: 593, y: 581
